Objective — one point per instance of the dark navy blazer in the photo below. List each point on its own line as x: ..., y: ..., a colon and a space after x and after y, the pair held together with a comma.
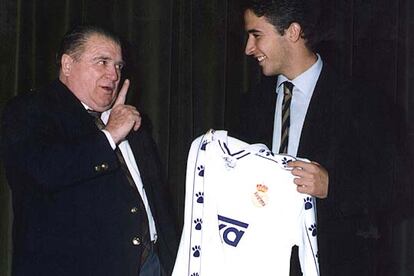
x: 72, y: 204
x: 344, y: 132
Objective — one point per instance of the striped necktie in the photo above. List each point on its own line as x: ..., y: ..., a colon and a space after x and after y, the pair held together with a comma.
x: 145, y: 239
x: 284, y: 142
x: 287, y: 97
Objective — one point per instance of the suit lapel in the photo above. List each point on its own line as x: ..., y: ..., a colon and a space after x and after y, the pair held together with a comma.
x: 144, y: 152
x: 74, y: 117
x: 262, y: 119
x: 317, y: 128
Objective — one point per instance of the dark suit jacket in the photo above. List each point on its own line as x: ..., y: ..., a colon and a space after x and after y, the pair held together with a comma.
x: 72, y: 216
x: 341, y: 132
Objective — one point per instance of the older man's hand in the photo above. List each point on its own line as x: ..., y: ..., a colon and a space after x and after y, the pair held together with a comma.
x: 123, y: 117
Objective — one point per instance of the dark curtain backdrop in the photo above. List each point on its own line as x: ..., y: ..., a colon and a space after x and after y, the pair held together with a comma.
x: 188, y: 70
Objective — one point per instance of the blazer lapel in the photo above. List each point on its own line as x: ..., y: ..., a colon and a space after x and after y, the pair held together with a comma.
x: 317, y: 128
x: 75, y: 118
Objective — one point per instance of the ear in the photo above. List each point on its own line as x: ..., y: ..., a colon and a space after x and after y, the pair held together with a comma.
x: 294, y: 32
x: 66, y: 64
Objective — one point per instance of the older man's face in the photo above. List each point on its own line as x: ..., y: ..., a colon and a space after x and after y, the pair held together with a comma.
x: 95, y: 75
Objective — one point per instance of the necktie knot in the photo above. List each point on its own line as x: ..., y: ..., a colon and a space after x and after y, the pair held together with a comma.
x: 97, y: 118
x: 288, y: 88
x: 94, y: 113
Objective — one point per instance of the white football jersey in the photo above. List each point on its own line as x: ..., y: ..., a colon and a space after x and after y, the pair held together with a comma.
x: 242, y: 212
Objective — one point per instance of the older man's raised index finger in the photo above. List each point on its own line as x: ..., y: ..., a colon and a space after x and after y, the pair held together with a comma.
x: 122, y: 93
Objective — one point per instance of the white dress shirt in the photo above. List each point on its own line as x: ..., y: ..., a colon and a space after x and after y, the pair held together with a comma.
x: 304, y: 84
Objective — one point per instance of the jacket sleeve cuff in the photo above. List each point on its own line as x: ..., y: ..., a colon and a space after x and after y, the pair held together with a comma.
x: 109, y: 137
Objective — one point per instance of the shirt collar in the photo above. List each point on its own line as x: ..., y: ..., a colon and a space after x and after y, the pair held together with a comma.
x: 104, y: 115
x: 306, y: 81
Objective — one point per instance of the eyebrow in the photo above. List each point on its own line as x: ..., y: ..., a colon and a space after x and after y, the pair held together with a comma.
x: 109, y: 58
x: 253, y: 31
x: 102, y: 57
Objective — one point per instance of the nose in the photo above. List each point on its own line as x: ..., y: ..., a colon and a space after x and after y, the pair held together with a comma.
x: 250, y: 47
x: 113, y: 73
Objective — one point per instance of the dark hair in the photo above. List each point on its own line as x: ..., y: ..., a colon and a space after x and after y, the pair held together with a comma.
x: 73, y: 42
x: 281, y: 13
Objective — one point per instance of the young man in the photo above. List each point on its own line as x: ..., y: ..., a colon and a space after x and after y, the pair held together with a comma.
x: 88, y: 198
x: 304, y: 109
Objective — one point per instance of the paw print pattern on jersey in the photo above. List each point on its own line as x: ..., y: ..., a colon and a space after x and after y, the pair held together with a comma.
x: 312, y: 228
x: 200, y: 197
x: 200, y: 170
x: 196, y: 249
x: 286, y: 160
x: 198, y: 222
x: 204, y: 145
x: 267, y: 152
x: 308, y: 203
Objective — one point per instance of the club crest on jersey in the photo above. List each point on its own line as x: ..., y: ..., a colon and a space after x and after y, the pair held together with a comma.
x: 260, y: 197
x: 231, y: 230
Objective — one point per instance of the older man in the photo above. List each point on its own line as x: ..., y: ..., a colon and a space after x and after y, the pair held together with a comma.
x: 88, y: 198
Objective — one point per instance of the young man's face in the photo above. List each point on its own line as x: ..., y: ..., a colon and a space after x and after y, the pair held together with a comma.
x: 95, y: 75
x: 265, y: 44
